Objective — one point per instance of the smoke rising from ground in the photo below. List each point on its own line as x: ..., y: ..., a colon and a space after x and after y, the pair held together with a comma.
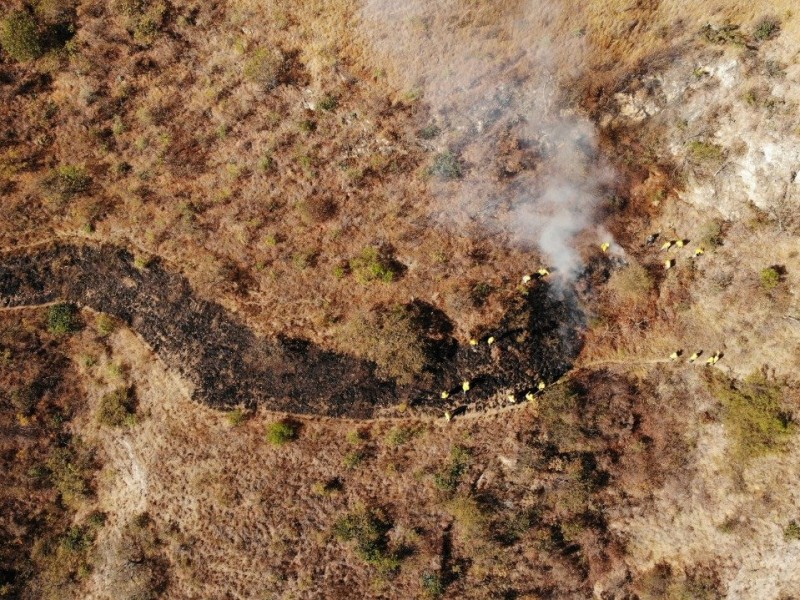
x: 494, y: 81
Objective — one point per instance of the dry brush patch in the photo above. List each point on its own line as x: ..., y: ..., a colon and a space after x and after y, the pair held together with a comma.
x: 430, y: 505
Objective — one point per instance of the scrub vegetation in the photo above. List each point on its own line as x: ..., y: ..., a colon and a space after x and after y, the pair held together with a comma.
x: 452, y: 300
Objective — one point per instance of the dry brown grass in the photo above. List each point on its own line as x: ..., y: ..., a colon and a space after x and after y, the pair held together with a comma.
x: 205, y: 133
x: 193, y: 505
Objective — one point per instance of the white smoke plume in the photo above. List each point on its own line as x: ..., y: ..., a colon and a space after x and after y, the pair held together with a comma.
x: 493, y: 76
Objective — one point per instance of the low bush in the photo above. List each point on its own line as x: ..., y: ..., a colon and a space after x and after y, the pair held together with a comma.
x: 792, y: 531
x: 432, y: 584
x: 354, y: 458
x: 69, y: 470
x: 356, y: 437
x: 105, y: 325
x: 317, y: 209
x: 725, y: 34
x: 236, y: 417
x: 469, y: 516
x: 711, y: 235
x: 329, y: 103
x: 393, y: 340
x: 705, y: 151
x: 145, y: 18
x: 65, y: 559
x: 398, y: 436
x: 429, y: 132
x: 631, y: 284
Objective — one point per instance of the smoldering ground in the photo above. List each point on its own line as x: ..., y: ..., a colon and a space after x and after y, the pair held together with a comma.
x: 519, y: 161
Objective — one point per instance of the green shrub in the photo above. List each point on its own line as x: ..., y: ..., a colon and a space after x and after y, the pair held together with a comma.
x: 368, y: 529
x: 446, y: 166
x: 356, y: 437
x: 265, y: 67
x: 448, y: 478
x: 62, y: 319
x: 69, y: 470
x: 20, y: 37
x: 792, y: 531
x: 374, y: 265
x: 105, y: 324
x: 67, y: 181
x: 117, y: 408
x: 766, y: 29
x: 770, y: 278
x: 329, y: 102
x: 705, y: 151
x: 281, y: 432
x: 354, y: 458
x: 432, y: 584
x: 468, y: 515
x: 236, y: 417
x: 753, y: 415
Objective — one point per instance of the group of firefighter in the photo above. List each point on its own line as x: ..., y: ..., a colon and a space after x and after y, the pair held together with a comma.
x: 543, y: 273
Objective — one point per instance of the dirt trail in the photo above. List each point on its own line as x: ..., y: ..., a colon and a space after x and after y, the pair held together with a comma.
x: 227, y: 364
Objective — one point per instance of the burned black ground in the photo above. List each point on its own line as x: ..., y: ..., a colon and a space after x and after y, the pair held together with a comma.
x: 229, y: 365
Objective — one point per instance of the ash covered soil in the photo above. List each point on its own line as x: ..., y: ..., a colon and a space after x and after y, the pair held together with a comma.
x: 230, y: 365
